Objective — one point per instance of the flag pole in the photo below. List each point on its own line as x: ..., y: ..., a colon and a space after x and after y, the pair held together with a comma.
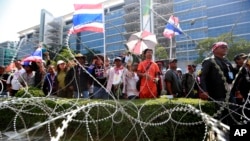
x: 104, y: 34
x: 171, y: 46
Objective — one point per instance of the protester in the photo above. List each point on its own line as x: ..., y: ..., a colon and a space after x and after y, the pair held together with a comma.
x: 50, y: 83
x: 244, y: 90
x: 77, y: 78
x: 97, y: 70
x: 128, y: 57
x: 62, y: 69
x: 241, y: 85
x: 148, y: 72
x: 28, y: 77
x: 189, y: 82
x: 12, y: 82
x: 131, y: 80
x: 160, y: 85
x: 216, y: 78
x: 173, y: 80
x: 212, y: 81
x: 179, y: 72
x: 40, y: 72
x: 107, y: 65
x: 116, y: 79
x: 3, y: 84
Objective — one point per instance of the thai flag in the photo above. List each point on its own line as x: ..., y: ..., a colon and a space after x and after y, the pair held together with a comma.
x: 87, y: 17
x: 172, y: 28
x: 38, y: 52
x: 36, y: 56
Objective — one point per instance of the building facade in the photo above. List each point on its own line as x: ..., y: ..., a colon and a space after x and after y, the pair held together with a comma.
x: 7, y: 51
x: 199, y: 19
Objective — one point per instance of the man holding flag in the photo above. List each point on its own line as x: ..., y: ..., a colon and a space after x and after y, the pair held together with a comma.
x: 88, y: 17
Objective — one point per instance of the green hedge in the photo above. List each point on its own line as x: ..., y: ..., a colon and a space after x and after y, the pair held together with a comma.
x: 30, y: 92
x: 129, y: 121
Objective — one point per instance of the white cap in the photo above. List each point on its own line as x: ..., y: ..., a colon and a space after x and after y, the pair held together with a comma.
x: 118, y: 58
x: 178, y: 69
x: 60, y: 62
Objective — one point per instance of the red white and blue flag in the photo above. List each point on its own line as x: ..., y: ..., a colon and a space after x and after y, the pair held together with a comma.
x: 87, y: 17
x: 36, y: 56
x: 172, y: 28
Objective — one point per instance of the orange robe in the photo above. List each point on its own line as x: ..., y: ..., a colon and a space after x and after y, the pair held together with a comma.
x: 148, y: 88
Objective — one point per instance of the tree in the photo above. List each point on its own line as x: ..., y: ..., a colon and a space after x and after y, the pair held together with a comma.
x: 160, y: 53
x: 241, y: 46
x: 65, y: 54
x: 236, y: 46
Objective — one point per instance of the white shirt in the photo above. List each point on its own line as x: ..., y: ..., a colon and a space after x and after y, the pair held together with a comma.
x: 117, y: 79
x: 14, y: 81
x: 28, y: 79
x: 131, y: 84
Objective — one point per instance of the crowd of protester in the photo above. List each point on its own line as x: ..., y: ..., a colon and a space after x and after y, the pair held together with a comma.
x: 127, y: 79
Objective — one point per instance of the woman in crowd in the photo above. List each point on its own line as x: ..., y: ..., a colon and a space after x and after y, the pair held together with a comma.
x: 50, y: 85
x: 60, y: 80
x: 131, y: 80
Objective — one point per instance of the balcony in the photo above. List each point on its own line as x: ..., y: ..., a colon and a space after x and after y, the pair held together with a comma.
x: 54, y: 24
x: 133, y: 16
x: 133, y: 26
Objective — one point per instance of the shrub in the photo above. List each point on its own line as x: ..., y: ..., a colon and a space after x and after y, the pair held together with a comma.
x: 30, y: 92
x: 126, y: 122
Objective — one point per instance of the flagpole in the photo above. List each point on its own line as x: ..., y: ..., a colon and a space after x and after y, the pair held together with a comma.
x: 171, y: 46
x: 104, y: 34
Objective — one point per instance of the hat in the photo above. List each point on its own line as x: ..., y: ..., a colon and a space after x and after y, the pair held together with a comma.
x: 118, y: 58
x: 60, y: 62
x: 241, y: 55
x: 171, y: 60
x: 218, y: 44
x: 79, y: 55
x: 179, y: 69
x: 26, y: 63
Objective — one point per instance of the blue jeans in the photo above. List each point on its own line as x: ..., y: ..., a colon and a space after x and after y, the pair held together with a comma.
x: 100, y: 93
x: 83, y: 94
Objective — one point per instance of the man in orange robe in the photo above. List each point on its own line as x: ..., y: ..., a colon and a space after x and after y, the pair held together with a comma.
x: 149, y: 75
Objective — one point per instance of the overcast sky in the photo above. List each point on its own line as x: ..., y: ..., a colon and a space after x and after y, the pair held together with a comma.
x: 17, y: 15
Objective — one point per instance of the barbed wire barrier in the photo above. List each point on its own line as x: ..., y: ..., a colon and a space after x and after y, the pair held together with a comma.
x: 24, y: 106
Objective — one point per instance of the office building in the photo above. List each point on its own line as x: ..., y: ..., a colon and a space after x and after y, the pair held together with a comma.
x: 199, y: 19
x: 8, y: 49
